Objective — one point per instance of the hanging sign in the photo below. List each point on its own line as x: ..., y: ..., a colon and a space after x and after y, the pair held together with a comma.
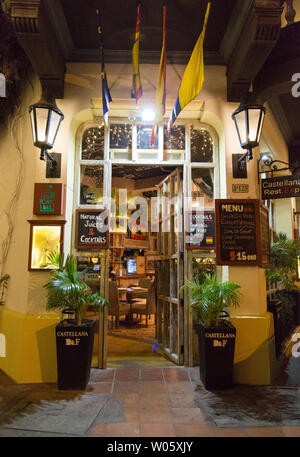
x: 280, y: 187
x: 238, y: 233
x: 91, y: 230
x: 200, y: 233
x: 48, y: 199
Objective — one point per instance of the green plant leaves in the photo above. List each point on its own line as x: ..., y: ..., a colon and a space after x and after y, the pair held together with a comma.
x: 67, y: 289
x: 210, y: 298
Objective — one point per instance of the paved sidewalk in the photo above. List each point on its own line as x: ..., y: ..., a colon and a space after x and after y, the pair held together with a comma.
x: 148, y: 402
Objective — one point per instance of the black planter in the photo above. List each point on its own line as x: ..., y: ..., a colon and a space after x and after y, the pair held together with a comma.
x: 216, y: 353
x: 74, y: 348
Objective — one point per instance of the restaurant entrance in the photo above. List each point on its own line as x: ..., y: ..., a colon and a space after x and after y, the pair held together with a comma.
x: 145, y: 318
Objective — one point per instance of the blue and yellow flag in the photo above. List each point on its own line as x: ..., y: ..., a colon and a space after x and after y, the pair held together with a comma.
x: 160, y: 99
x: 137, y: 90
x: 106, y: 98
x: 193, y: 77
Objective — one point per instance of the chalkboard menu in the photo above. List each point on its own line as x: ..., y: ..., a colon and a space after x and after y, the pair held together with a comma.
x: 200, y: 230
x: 91, y: 230
x: 238, y: 232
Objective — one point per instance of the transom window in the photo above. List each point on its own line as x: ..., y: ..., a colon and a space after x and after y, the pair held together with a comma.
x: 188, y: 143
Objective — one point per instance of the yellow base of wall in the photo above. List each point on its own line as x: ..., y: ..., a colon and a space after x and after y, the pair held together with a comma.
x: 30, y: 346
x: 254, y: 360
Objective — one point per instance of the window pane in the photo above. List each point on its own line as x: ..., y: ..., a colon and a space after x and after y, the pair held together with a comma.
x: 241, y: 124
x: 143, y: 139
x: 120, y: 141
x: 174, y: 142
x: 201, y: 146
x: 120, y: 136
x: 254, y: 131
x: 203, y: 186
x: 91, y: 185
x: 93, y: 144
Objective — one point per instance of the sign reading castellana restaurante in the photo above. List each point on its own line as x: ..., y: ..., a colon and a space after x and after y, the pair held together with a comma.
x: 91, y: 230
x: 280, y: 187
x: 240, y: 232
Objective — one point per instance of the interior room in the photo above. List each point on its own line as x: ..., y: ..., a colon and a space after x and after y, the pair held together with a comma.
x: 132, y: 332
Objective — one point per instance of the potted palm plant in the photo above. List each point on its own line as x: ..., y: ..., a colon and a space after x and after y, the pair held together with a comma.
x: 283, y: 276
x: 74, y: 337
x: 209, y: 303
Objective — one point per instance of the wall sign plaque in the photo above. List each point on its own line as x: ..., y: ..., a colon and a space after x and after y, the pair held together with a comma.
x: 48, y: 199
x: 240, y: 188
x: 200, y: 232
x: 91, y: 230
x: 280, y: 187
x: 238, y: 233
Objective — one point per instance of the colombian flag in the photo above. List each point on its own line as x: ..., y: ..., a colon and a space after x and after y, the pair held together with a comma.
x: 160, y: 99
x: 137, y: 90
x: 193, y: 77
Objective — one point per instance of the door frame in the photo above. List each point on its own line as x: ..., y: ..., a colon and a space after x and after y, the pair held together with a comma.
x: 186, y: 166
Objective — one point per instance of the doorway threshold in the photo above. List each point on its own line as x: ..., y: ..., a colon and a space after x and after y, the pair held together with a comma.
x: 139, y: 362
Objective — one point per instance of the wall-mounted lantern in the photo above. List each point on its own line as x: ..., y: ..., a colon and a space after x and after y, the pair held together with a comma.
x: 45, y: 121
x: 248, y: 119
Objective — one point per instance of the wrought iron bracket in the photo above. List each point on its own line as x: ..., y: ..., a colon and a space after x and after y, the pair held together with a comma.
x: 272, y: 164
x: 49, y: 156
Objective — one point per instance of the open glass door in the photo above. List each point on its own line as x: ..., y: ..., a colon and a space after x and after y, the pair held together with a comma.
x: 169, y: 266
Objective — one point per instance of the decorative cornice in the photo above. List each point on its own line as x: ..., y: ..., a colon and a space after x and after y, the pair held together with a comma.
x: 25, y: 16
x: 258, y: 37
x: 32, y: 28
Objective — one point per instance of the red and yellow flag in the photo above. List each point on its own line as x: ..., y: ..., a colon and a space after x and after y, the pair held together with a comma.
x: 160, y: 98
x: 137, y: 90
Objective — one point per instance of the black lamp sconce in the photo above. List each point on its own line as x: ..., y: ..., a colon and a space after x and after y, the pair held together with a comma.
x: 46, y: 118
x: 248, y: 119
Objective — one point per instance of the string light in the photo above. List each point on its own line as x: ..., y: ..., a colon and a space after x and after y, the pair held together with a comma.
x: 201, y: 146
x: 175, y: 140
x: 93, y: 144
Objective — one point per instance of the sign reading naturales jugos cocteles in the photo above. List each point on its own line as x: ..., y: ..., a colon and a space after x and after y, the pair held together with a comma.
x: 91, y: 230
x: 280, y: 187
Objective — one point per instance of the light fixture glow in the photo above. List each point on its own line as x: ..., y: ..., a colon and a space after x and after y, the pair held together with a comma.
x: 148, y: 115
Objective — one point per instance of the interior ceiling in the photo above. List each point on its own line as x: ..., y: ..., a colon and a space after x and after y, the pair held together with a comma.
x: 184, y: 21
x: 140, y: 172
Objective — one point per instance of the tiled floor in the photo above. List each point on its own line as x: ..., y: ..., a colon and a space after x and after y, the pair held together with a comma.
x: 134, y: 402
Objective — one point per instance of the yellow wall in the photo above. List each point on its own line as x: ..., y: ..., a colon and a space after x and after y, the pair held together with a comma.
x: 30, y: 346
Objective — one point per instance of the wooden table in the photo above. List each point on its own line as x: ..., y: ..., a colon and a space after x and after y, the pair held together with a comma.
x: 140, y: 292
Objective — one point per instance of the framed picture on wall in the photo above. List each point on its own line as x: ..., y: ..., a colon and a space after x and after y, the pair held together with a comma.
x: 45, y: 240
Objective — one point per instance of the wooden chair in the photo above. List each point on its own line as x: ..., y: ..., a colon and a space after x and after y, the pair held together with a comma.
x: 117, y: 308
x: 145, y: 282
x: 146, y: 306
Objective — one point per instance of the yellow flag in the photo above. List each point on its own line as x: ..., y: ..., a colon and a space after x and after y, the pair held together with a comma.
x: 193, y: 77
